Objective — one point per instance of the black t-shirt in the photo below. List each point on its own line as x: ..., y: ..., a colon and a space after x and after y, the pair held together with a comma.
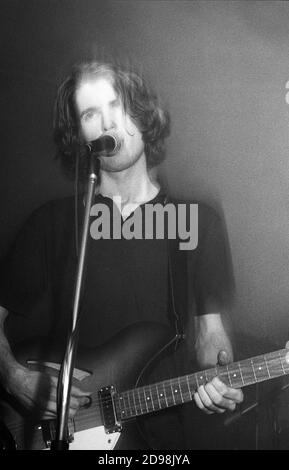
x: 126, y: 281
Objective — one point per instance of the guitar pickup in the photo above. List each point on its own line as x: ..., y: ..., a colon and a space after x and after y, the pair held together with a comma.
x: 108, y: 410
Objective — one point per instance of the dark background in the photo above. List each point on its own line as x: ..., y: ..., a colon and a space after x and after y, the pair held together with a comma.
x: 222, y: 68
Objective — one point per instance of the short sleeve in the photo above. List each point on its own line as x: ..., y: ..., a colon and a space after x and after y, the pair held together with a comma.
x: 213, y: 278
x: 22, y: 270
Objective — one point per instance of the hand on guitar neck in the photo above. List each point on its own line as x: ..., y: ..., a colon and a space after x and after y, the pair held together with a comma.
x: 216, y: 396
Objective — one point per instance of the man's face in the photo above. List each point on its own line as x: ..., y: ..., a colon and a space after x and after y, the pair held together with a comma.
x: 100, y: 110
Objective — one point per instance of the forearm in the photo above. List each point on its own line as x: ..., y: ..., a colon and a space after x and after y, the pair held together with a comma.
x: 213, y: 346
x: 208, y: 349
x: 32, y: 389
x: 211, y: 338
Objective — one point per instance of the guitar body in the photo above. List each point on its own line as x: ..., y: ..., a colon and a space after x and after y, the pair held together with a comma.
x: 135, y: 389
x: 119, y: 362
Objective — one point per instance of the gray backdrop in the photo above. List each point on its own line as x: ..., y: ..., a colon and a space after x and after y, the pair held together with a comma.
x: 221, y: 67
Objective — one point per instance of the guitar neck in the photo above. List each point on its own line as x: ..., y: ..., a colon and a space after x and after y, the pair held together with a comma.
x: 178, y: 390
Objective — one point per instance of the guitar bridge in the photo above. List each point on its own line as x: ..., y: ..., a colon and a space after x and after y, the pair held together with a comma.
x: 108, y: 410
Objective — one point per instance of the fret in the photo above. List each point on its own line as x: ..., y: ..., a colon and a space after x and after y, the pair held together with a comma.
x: 140, y: 408
x: 169, y: 393
x: 131, y: 402
x: 134, y: 403
x: 178, y: 398
x: 172, y: 390
x: 186, y: 394
x: 266, y: 365
x: 241, y: 375
x: 201, y: 379
x: 165, y: 394
x: 281, y: 363
x: 155, y: 397
x: 224, y: 374
x: 253, y: 370
x: 158, y: 396
x: 121, y: 406
x: 211, y: 374
x: 188, y: 385
x: 152, y: 400
x: 148, y: 399
x: 193, y: 383
x: 126, y: 404
x: 180, y: 389
x: 247, y: 372
x: 162, y: 396
x: 260, y: 369
x: 234, y: 376
x: 228, y: 374
x: 275, y: 366
x: 128, y: 408
x: 144, y: 399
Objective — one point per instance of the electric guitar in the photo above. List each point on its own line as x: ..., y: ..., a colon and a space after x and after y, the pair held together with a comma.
x: 121, y: 395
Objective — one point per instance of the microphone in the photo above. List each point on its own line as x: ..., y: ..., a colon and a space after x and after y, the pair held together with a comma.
x: 107, y: 144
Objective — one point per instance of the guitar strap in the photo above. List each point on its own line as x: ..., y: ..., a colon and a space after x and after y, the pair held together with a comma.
x: 177, y: 284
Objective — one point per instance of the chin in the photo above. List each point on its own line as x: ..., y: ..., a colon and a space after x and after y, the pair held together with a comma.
x: 117, y: 163
x: 115, y: 167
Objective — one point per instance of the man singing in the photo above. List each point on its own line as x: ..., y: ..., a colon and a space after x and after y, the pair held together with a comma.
x: 130, y: 281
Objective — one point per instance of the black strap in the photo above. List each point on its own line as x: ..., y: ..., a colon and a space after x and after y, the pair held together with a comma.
x: 178, y: 284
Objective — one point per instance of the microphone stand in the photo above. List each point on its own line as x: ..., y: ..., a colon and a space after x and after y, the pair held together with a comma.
x: 61, y: 441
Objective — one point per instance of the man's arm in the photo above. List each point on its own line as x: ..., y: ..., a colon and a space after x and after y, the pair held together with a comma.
x: 33, y: 390
x: 214, y: 346
x: 211, y: 338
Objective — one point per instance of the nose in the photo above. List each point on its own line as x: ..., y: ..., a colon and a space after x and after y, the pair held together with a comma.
x: 108, y: 121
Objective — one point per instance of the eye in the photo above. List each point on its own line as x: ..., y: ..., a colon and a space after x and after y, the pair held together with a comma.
x: 115, y: 103
x: 87, y: 116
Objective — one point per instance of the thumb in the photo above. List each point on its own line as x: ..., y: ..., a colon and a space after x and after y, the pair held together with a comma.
x: 223, y: 357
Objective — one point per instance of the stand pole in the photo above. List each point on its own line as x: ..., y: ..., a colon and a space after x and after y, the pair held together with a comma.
x: 61, y: 441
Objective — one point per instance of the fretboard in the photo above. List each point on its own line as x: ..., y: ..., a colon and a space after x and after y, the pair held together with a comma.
x: 178, y: 390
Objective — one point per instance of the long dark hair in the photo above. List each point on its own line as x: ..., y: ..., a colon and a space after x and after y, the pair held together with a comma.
x: 138, y: 100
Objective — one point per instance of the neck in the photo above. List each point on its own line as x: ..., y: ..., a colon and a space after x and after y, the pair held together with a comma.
x: 134, y: 185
